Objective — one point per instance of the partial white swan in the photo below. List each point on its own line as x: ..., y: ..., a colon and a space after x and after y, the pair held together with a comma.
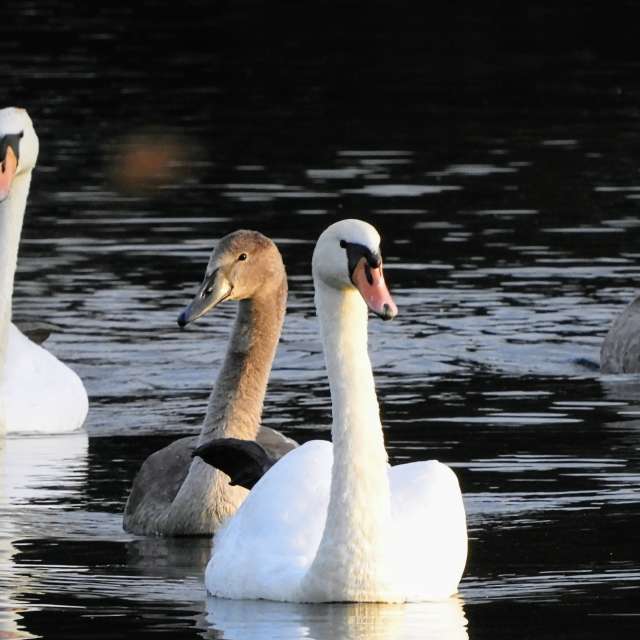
x: 336, y: 523
x: 171, y: 494
x: 620, y: 351
x: 38, y: 393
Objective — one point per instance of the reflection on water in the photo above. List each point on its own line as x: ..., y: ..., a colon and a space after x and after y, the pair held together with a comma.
x: 42, y: 470
x: 262, y: 620
x: 40, y: 473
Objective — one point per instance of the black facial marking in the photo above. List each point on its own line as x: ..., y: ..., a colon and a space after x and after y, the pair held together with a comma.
x: 368, y: 274
x: 10, y: 140
x: 207, y: 284
x: 355, y: 252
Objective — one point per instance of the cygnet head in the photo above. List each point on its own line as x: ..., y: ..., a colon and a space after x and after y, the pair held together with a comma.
x: 244, y: 264
x: 347, y: 256
x: 18, y: 147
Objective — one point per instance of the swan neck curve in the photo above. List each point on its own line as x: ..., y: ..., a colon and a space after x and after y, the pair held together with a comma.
x: 234, y: 411
x: 351, y: 560
x: 235, y: 403
x: 12, y: 211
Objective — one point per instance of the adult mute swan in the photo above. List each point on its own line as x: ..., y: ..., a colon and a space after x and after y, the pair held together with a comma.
x: 38, y: 393
x: 335, y: 522
x: 173, y: 495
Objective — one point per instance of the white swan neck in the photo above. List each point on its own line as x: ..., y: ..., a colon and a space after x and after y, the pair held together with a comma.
x: 11, y: 217
x: 351, y: 560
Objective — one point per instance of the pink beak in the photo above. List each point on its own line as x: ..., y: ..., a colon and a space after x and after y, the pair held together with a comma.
x: 8, y: 168
x: 371, y: 285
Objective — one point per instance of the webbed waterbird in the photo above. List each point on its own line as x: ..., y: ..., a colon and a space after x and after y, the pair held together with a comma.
x: 332, y: 521
x: 38, y: 393
x: 173, y: 494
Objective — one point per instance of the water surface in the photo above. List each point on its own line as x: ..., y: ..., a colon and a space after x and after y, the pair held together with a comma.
x: 507, y: 192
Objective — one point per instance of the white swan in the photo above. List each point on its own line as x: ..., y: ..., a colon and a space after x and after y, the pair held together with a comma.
x: 38, y: 393
x: 336, y: 523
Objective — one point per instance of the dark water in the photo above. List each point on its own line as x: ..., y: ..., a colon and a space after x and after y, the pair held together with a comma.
x: 495, y: 150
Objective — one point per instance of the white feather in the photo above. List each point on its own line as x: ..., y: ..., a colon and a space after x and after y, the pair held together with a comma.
x: 335, y: 522
x: 38, y: 394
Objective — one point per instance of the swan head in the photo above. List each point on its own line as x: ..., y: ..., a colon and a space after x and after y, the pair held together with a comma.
x: 347, y: 256
x: 244, y: 264
x: 18, y: 147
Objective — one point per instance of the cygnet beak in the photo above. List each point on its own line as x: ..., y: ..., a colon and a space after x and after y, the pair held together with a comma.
x: 214, y: 289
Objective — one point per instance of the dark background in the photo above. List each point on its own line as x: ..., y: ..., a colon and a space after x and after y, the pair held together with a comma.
x: 288, y: 87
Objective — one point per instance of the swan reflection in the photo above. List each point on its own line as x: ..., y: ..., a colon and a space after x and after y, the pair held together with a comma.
x: 39, y: 476
x: 262, y: 620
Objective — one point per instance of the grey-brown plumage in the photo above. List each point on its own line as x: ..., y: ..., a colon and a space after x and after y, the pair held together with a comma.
x: 36, y: 330
x: 174, y: 494
x: 620, y: 351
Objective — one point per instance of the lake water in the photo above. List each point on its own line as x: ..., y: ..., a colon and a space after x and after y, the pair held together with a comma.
x: 498, y: 159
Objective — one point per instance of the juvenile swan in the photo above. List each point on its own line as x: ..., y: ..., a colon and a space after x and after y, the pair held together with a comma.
x: 336, y: 523
x: 620, y: 351
x: 173, y: 495
x: 38, y: 393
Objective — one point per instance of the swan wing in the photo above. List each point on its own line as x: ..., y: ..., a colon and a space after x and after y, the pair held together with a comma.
x: 429, y: 542
x: 267, y: 546
x: 40, y: 394
x: 275, y: 443
x: 156, y: 485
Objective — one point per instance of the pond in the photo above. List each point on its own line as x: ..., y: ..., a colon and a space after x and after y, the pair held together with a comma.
x: 503, y: 179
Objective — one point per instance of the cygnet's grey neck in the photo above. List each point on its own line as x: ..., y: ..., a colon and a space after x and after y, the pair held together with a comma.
x: 235, y: 404
x: 11, y: 217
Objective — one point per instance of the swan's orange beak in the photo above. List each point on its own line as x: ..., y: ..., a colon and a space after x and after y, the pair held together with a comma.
x: 8, y: 168
x: 371, y: 285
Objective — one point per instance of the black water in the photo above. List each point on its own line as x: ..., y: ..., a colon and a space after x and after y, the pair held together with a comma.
x: 496, y: 151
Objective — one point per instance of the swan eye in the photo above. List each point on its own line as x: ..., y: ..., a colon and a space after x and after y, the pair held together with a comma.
x: 242, y: 256
x: 343, y: 244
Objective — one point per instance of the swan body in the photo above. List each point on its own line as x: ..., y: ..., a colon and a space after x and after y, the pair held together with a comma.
x: 38, y: 393
x: 260, y: 547
x: 620, y: 351
x: 173, y: 494
x: 333, y: 522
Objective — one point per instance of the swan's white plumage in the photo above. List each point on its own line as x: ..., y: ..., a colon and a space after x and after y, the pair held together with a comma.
x: 39, y: 393
x: 265, y: 550
x: 333, y: 522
